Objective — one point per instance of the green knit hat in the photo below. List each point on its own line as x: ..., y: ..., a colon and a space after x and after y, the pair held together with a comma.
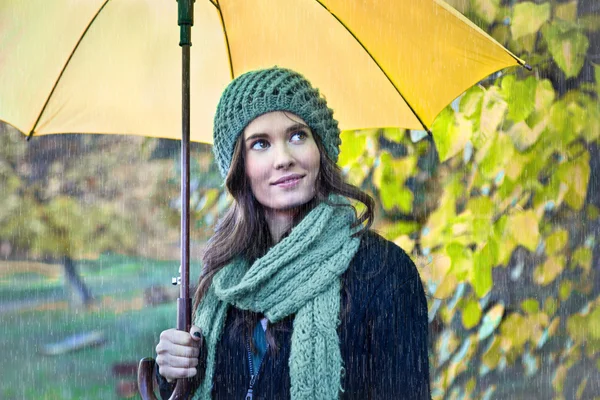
x: 261, y: 91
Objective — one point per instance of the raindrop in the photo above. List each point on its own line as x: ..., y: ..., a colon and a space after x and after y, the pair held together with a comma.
x: 499, y: 178
x: 540, y: 247
x: 517, y: 270
x: 416, y: 135
x: 468, y: 152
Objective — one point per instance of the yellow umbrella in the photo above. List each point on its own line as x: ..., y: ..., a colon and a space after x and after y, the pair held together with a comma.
x: 99, y: 66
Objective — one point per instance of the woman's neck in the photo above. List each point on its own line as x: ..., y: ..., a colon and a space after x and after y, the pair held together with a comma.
x: 279, y: 222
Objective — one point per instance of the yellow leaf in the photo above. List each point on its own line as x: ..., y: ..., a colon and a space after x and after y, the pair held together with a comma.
x: 523, y: 136
x: 547, y: 272
x: 447, y: 287
x: 576, y: 175
x: 405, y: 243
x: 557, y: 241
x: 451, y: 131
x: 486, y: 9
x: 582, y: 257
x: 515, y: 331
x: 492, y: 356
x: 493, y: 110
x: 530, y: 306
x: 523, y: 227
x: 594, y: 323
x: 566, y: 11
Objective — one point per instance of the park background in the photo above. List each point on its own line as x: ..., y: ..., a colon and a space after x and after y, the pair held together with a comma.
x: 499, y: 210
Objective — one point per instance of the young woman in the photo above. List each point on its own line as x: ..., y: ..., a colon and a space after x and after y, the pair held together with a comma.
x: 298, y: 298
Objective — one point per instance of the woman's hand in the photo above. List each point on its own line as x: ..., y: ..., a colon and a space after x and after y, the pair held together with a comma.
x: 177, y: 353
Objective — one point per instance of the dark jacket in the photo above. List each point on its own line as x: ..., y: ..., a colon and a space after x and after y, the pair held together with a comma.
x: 383, y: 335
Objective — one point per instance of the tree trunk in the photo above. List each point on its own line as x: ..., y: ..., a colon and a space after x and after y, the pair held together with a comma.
x: 77, y: 292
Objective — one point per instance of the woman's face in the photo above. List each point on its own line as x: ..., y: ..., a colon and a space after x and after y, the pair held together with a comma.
x: 281, y: 160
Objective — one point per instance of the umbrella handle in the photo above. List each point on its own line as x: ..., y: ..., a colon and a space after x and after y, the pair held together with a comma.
x: 145, y: 380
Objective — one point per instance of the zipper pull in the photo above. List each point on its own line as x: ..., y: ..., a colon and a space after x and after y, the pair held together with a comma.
x: 249, y: 394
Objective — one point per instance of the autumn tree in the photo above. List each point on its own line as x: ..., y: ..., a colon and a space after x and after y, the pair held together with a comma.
x: 503, y: 225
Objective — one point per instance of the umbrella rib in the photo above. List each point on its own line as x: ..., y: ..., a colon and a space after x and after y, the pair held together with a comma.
x: 376, y: 63
x: 218, y: 7
x: 63, y: 70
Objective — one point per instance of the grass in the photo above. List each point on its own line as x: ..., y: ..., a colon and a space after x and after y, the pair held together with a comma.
x: 130, y: 328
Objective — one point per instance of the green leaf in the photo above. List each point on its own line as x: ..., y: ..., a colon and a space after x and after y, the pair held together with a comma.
x: 471, y: 314
x: 544, y: 95
x: 497, y: 157
x: 567, y: 45
x: 520, y: 96
x: 450, y: 133
x: 528, y: 17
x: 582, y: 257
x: 565, y: 289
x: 530, y: 306
x: 461, y: 260
x: 393, y: 134
x: 483, y: 262
x: 482, y: 209
x: 597, y: 76
x: 389, y: 176
x: 352, y: 148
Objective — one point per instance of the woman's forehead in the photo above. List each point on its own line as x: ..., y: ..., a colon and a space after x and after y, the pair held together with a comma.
x: 275, y: 122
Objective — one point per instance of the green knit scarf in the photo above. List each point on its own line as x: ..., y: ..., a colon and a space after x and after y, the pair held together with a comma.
x: 300, y: 275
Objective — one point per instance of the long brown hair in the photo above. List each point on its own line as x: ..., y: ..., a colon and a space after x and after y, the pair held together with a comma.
x: 243, y: 230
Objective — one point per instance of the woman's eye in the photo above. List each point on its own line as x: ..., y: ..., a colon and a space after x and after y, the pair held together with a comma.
x: 259, y: 144
x: 300, y: 134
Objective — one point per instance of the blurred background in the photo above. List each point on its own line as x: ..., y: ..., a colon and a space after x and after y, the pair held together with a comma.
x: 500, y: 214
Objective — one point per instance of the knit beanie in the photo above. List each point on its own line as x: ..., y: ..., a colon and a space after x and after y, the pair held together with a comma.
x: 261, y: 91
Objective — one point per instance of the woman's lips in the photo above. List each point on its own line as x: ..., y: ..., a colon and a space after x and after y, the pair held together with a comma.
x: 289, y: 183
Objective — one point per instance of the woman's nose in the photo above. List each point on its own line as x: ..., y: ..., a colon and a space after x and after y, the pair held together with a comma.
x: 283, y: 158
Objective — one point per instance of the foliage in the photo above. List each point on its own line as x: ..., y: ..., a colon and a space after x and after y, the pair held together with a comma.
x: 208, y: 198
x: 507, y: 251
x: 59, y: 195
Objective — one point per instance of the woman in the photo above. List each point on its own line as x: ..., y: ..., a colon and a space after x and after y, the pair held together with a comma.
x: 298, y: 298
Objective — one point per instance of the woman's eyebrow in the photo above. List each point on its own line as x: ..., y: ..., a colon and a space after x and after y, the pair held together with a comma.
x: 289, y: 129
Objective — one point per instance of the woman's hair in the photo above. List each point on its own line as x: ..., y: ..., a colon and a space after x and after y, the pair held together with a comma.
x: 243, y: 230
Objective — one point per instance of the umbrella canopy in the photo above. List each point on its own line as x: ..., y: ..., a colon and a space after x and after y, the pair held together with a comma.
x: 100, y: 66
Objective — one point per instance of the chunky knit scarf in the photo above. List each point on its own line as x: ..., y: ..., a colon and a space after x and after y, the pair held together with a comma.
x: 300, y: 275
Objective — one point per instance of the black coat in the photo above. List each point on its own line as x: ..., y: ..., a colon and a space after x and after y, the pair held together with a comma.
x: 383, y: 335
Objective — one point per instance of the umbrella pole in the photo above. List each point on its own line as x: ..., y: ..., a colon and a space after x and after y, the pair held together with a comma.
x: 184, y: 302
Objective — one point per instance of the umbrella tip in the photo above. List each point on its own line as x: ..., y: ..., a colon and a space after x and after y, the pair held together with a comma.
x: 528, y: 67
x: 30, y: 135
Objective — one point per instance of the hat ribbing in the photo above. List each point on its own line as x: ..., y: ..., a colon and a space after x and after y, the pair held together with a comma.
x: 274, y: 89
